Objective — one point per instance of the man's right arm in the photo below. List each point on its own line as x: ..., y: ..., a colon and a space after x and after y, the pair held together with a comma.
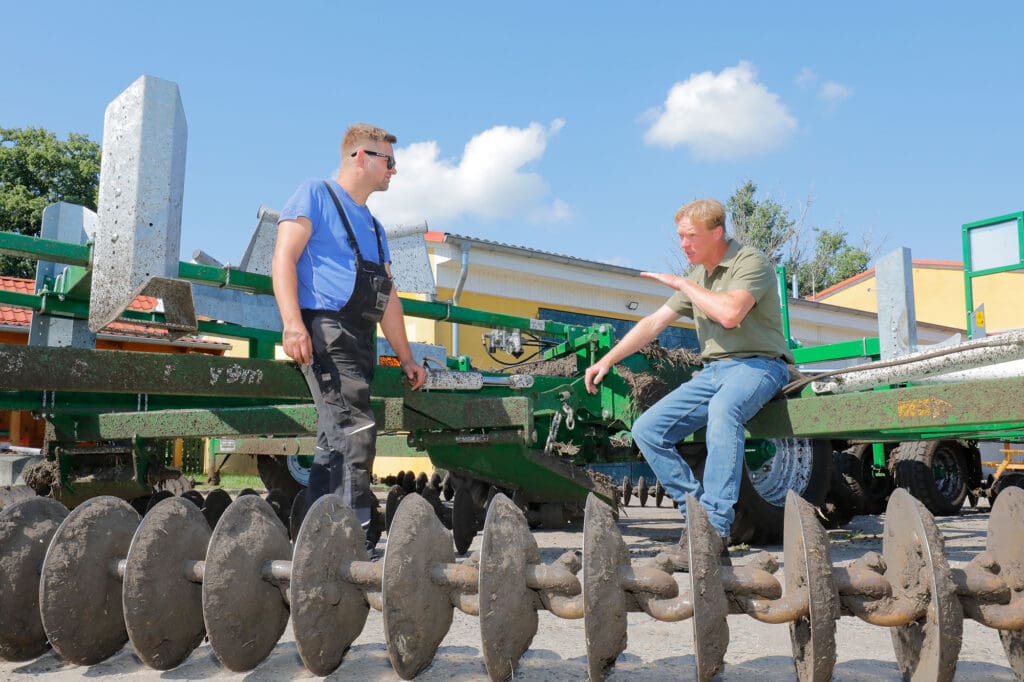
x: 292, y: 237
x: 645, y: 331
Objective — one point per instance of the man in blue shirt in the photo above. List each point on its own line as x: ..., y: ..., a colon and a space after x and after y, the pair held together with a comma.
x: 332, y: 281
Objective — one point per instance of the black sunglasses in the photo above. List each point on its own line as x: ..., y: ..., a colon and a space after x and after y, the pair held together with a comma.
x: 391, y: 159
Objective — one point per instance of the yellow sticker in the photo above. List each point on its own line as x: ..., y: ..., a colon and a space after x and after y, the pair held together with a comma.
x: 923, y: 407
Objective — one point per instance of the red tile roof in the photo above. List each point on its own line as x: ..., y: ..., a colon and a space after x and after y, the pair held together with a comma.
x: 16, y: 317
x: 11, y: 316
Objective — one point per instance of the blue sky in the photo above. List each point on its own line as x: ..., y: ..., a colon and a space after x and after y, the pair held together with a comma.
x: 577, y: 128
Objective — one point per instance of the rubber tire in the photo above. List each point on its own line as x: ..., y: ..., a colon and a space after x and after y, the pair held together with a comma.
x: 846, y: 496
x: 273, y: 472
x: 1009, y: 479
x: 759, y: 521
x: 913, y: 465
x: 858, y: 461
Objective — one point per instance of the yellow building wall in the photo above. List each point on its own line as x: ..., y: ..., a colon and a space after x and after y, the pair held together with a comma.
x: 939, y: 297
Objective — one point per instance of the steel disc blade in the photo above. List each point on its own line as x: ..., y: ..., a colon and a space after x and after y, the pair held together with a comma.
x: 79, y: 590
x: 508, y: 618
x: 163, y: 609
x: 328, y: 612
x: 26, y: 528
x: 245, y: 614
x: 417, y: 612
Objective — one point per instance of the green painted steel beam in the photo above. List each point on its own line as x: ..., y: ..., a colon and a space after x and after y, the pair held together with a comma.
x: 867, y: 347
x: 275, y: 420
x: 964, y: 408
x: 86, y: 370
x: 444, y: 312
x: 391, y: 414
x: 50, y: 250
x: 505, y: 458
x: 48, y: 402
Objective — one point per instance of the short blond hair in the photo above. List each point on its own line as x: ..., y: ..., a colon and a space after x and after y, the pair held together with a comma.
x: 364, y: 132
x: 708, y: 212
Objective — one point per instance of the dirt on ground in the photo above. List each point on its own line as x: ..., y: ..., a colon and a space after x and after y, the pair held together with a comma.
x: 655, y: 650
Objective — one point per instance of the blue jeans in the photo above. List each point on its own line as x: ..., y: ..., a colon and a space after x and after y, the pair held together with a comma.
x: 722, y: 396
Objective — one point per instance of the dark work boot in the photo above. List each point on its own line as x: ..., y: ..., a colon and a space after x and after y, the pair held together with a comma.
x: 724, y: 559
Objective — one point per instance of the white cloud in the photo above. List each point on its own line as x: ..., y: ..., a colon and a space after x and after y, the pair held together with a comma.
x: 834, y: 93
x: 807, y: 77
x: 489, y: 181
x: 719, y: 116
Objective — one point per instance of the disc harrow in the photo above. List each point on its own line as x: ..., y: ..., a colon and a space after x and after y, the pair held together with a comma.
x: 165, y: 583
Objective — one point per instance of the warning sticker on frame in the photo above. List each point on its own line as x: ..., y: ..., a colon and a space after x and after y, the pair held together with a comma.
x: 537, y: 325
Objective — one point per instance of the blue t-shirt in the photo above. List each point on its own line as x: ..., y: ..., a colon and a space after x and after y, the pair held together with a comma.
x: 326, y: 269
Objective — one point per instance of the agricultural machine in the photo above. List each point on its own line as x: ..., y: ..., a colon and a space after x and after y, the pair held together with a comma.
x: 520, y: 448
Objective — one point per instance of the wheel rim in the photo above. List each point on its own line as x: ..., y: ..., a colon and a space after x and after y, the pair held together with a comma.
x: 946, y: 470
x: 789, y: 469
x: 298, y: 467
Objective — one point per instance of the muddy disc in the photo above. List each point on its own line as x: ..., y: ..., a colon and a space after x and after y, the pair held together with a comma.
x: 9, y: 494
x: 808, y: 564
x: 79, y: 590
x: 278, y: 499
x: 395, y: 495
x: 300, y: 504
x: 604, y: 601
x: 163, y: 610
x: 417, y: 613
x: 156, y: 498
x: 710, y: 606
x: 328, y: 613
x: 244, y: 614
x: 463, y: 520
x: 1004, y: 542
x: 508, y: 619
x: 217, y: 500
x: 912, y: 545
x: 195, y: 497
x: 25, y: 531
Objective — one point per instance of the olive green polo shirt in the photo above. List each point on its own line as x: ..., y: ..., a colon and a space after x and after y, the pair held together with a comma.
x: 760, y: 332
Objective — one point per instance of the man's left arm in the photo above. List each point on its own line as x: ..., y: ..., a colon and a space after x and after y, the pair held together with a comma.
x: 393, y: 326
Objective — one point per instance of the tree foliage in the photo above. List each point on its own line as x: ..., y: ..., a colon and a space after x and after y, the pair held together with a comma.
x: 37, y: 169
x: 766, y: 225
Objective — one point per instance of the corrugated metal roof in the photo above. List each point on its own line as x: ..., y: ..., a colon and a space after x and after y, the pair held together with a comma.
x: 447, y: 237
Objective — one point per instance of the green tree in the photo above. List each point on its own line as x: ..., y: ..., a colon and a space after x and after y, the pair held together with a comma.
x: 766, y: 225
x: 833, y: 261
x: 38, y: 169
x: 763, y: 224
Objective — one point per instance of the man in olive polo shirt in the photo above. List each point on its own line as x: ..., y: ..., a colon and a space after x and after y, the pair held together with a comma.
x: 732, y: 295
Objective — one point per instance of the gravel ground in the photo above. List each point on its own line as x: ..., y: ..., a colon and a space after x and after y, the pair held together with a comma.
x: 656, y: 651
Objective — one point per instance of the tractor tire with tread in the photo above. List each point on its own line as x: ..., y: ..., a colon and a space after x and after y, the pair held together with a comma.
x: 273, y: 471
x: 933, y: 471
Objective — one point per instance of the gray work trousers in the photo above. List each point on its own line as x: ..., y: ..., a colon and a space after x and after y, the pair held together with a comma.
x: 344, y: 359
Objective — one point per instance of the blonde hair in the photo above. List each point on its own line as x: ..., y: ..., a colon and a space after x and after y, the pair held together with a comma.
x: 364, y: 132
x: 708, y: 212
